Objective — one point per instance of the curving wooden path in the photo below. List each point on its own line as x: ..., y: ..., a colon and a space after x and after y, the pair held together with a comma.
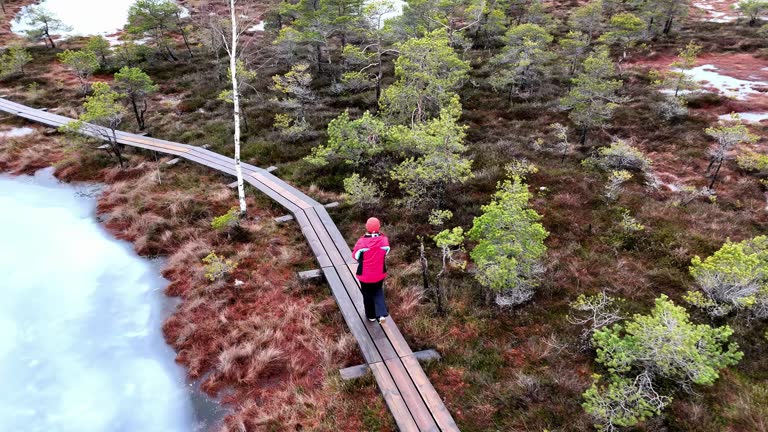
x: 411, y: 398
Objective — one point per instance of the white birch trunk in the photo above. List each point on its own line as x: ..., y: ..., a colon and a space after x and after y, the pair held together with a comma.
x: 236, y: 102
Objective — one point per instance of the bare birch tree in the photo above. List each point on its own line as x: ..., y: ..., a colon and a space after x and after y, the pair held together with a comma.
x: 231, y: 44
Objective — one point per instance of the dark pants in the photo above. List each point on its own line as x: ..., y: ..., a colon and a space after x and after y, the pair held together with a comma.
x: 373, y: 299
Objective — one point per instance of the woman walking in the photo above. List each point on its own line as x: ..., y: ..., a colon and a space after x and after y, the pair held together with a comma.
x: 371, y: 253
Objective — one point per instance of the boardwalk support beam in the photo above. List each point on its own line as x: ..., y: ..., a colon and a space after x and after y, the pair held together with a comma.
x: 283, y: 219
x: 310, y: 274
x: 359, y: 371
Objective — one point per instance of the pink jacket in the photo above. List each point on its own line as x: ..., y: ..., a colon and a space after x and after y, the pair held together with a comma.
x: 371, y: 253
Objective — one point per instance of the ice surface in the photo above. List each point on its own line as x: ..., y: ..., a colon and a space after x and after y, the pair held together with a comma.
x: 87, y: 17
x: 747, y: 117
x: 729, y: 86
x: 80, y: 342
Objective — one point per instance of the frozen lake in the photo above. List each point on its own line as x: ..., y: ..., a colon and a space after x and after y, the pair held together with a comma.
x: 86, y: 17
x: 80, y: 343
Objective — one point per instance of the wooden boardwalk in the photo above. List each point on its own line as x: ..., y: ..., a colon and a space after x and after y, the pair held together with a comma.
x: 411, y: 398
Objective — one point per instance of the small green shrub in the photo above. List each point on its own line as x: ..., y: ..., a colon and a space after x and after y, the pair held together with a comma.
x: 734, y: 277
x: 668, y: 344
x: 13, y: 61
x: 216, y: 267
x: 227, y: 221
x: 753, y: 162
x: 661, y: 345
x: 361, y: 191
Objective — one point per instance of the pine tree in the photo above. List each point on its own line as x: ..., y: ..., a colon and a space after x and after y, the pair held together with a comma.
x: 523, y: 64
x: 593, y: 99
x: 136, y: 85
x: 158, y: 20
x: 438, y: 145
x: 13, y: 60
x: 752, y: 9
x: 99, y: 45
x: 428, y: 72
x: 728, y: 137
x: 101, y: 118
x: 82, y: 63
x: 42, y: 24
x: 510, y: 244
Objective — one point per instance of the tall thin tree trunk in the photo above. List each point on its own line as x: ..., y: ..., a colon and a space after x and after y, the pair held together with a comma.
x: 143, y: 111
x: 116, y: 148
x: 714, y: 176
x: 379, y: 74
x: 424, y: 265
x: 439, y: 289
x: 668, y: 25
x: 583, y: 137
x: 170, y: 53
x: 236, y: 103
x: 186, y: 41
x: 136, y: 113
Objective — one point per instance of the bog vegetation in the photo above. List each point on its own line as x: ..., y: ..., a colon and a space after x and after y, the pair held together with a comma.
x: 580, y: 237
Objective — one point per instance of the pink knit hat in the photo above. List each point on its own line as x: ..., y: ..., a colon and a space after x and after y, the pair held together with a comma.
x: 373, y: 225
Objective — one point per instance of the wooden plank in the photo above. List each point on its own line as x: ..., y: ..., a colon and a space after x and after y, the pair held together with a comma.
x: 314, y: 242
x: 355, y: 325
x: 411, y: 395
x: 354, y: 372
x: 393, y: 398
x: 433, y: 401
x: 325, y: 239
x: 289, y: 193
x: 298, y: 193
x: 222, y: 164
x: 338, y: 239
x: 253, y: 181
x: 396, y: 338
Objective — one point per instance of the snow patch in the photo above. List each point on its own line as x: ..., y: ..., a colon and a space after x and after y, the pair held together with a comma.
x: 259, y: 27
x: 17, y: 132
